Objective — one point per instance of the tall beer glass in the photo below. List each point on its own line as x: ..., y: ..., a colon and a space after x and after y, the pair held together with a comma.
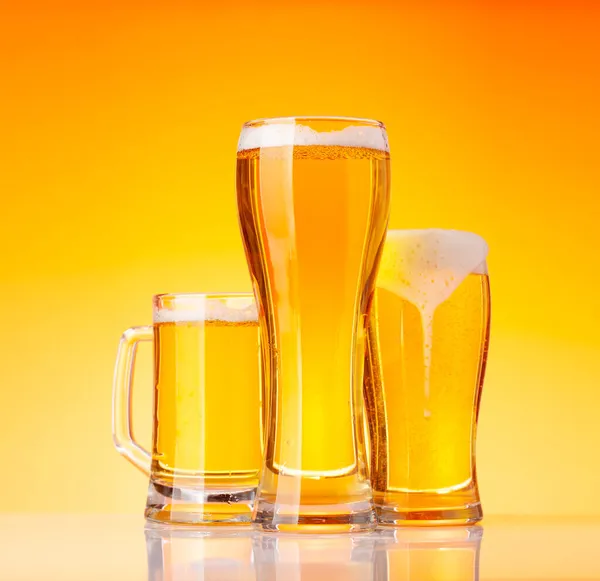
x: 313, y: 201
x: 427, y: 349
x: 207, y: 432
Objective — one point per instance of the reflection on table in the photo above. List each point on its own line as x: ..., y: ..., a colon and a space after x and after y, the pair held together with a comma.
x: 325, y: 557
x: 430, y: 554
x: 442, y: 554
x: 197, y: 555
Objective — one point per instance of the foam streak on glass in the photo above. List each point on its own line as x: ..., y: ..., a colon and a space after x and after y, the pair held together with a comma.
x: 313, y: 200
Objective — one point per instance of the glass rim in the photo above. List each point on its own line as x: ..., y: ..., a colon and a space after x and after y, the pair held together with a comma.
x: 293, y: 119
x: 209, y: 295
x: 434, y: 229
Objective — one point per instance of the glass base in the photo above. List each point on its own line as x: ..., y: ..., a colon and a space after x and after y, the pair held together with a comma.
x: 458, y: 507
x: 335, y: 518
x: 196, y: 506
x: 437, y: 517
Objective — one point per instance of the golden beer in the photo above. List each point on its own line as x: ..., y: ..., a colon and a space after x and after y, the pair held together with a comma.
x: 427, y: 349
x: 313, y: 203
x: 207, y: 402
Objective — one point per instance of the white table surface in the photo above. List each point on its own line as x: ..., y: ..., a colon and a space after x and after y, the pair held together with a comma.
x: 120, y: 547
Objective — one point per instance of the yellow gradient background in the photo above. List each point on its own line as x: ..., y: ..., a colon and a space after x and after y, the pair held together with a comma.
x: 118, y: 131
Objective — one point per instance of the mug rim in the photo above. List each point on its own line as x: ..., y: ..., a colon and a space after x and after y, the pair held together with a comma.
x: 209, y: 295
x: 294, y: 119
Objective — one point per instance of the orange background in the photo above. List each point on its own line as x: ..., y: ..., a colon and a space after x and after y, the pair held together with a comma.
x: 118, y: 129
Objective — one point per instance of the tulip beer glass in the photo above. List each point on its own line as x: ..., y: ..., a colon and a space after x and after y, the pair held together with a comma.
x: 427, y: 347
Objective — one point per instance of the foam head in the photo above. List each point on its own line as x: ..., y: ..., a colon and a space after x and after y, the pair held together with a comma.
x: 231, y: 310
x: 425, y: 267
x: 291, y: 134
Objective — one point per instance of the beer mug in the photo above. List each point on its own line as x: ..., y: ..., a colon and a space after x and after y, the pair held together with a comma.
x: 207, y: 435
x: 428, y: 554
x: 313, y: 203
x: 427, y: 344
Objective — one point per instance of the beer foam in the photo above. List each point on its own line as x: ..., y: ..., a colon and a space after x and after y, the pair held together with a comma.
x: 425, y: 267
x: 290, y: 134
x: 233, y: 310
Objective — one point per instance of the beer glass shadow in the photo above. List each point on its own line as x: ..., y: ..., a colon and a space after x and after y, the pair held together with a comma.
x: 428, y: 554
x: 180, y: 554
x: 339, y: 557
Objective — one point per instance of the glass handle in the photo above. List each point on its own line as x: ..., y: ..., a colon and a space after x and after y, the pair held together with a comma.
x: 121, y: 406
